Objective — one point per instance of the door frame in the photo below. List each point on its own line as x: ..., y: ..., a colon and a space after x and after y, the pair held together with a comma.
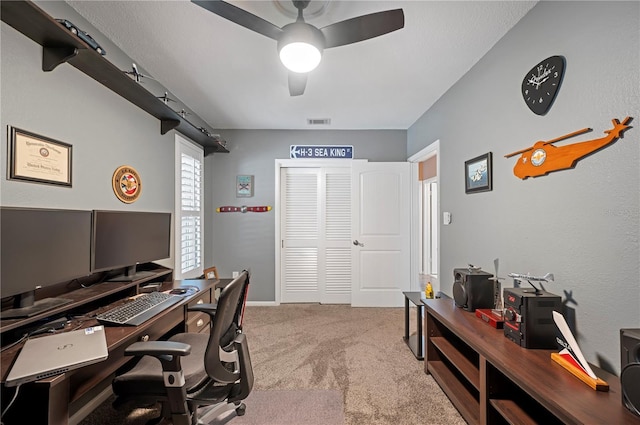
x: 293, y: 163
x: 424, y: 154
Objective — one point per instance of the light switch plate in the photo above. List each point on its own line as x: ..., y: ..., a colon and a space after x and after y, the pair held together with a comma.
x: 446, y: 218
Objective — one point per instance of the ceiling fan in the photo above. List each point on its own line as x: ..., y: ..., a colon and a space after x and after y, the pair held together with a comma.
x: 300, y: 44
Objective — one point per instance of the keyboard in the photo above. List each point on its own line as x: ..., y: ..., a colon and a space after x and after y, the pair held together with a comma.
x: 138, y: 311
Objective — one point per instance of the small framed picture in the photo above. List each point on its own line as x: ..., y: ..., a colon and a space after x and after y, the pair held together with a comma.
x: 38, y: 159
x: 477, y: 174
x: 244, y: 186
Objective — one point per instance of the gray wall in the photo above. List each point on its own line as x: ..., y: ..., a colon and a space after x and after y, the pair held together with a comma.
x: 581, y: 224
x: 105, y: 130
x: 238, y: 241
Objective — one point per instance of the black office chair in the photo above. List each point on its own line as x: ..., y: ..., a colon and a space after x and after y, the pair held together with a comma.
x: 195, y: 377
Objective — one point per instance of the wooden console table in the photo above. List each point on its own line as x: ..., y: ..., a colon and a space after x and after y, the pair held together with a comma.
x: 491, y: 380
x: 53, y: 400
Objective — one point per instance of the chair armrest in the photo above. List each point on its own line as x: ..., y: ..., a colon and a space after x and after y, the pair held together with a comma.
x: 158, y: 348
x: 168, y: 352
x: 206, y: 308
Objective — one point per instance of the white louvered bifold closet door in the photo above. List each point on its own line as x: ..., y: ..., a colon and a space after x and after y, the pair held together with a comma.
x: 316, y: 235
x: 337, y: 241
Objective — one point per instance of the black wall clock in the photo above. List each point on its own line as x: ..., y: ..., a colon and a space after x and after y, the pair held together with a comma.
x: 541, y: 84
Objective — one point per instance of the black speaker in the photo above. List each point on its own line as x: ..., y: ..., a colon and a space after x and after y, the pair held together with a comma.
x: 472, y: 289
x: 630, y: 369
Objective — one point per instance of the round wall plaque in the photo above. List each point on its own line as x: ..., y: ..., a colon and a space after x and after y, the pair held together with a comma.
x: 127, y: 184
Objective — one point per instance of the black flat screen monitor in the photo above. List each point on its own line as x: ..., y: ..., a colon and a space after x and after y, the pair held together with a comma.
x: 39, y: 248
x: 122, y: 239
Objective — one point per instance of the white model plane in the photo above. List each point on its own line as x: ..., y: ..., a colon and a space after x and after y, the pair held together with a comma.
x: 136, y: 75
x: 546, y: 278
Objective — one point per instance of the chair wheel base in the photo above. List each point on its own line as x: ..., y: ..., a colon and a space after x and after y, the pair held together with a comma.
x: 241, y: 410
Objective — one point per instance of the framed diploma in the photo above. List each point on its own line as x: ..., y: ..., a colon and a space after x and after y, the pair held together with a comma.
x: 38, y: 159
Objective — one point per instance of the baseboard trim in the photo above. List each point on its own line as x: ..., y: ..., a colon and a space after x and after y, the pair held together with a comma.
x: 263, y: 303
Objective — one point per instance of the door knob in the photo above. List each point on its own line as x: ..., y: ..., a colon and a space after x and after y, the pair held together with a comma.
x: 356, y: 243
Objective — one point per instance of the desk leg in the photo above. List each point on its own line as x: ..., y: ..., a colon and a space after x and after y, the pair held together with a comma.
x: 406, y: 319
x: 41, y: 402
x: 419, y: 335
x: 56, y: 392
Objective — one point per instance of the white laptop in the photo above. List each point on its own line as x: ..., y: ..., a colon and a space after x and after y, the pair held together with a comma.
x: 51, y: 355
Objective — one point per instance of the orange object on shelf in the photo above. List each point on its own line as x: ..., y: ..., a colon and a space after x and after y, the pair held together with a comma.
x: 597, y: 384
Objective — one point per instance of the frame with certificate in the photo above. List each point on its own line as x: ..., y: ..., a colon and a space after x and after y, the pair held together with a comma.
x: 38, y: 159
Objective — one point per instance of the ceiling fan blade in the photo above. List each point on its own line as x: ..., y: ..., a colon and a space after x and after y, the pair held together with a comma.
x: 240, y: 17
x: 297, y: 83
x: 362, y: 28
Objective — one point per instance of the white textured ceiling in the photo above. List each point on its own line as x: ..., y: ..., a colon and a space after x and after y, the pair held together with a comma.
x: 232, y: 78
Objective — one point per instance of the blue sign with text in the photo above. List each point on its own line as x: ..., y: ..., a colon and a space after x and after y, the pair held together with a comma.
x: 321, y: 151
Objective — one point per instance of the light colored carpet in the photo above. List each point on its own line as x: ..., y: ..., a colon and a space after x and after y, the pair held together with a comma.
x: 358, y: 353
x: 291, y: 407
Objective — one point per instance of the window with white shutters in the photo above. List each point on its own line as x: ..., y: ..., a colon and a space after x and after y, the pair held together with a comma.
x: 189, y: 210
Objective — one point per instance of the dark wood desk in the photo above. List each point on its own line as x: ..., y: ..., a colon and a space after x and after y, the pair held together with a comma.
x: 52, y: 401
x: 491, y: 380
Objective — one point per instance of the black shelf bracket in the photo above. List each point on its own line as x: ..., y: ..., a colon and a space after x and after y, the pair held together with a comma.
x: 54, y: 56
x: 168, y: 125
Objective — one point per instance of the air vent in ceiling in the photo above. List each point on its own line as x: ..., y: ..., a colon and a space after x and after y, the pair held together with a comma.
x: 318, y: 121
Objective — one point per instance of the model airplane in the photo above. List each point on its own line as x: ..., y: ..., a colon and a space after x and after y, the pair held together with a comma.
x: 546, y: 278
x: 498, y: 302
x: 543, y: 158
x: 184, y: 114
x: 166, y: 99
x: 136, y: 75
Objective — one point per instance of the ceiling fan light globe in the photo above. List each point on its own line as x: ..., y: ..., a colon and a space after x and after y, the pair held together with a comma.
x: 300, y: 47
x: 300, y: 57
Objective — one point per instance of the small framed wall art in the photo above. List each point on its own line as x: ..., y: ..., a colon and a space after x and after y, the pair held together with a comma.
x: 38, y: 159
x: 244, y: 186
x: 477, y: 174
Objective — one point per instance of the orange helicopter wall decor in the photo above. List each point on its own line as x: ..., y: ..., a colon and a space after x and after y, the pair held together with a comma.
x: 543, y: 157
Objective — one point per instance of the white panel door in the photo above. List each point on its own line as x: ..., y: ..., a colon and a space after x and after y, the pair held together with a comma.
x: 380, y: 229
x: 316, y: 235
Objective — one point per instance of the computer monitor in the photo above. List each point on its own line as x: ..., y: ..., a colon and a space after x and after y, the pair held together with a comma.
x: 123, y: 239
x: 40, y: 248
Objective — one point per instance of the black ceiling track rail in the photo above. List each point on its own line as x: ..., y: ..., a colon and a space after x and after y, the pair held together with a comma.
x: 60, y: 46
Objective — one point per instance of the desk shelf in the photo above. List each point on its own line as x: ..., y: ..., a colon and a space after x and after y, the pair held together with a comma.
x: 84, y: 296
x: 60, y: 46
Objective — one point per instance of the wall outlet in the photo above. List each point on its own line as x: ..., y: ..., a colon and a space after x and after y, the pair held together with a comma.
x: 235, y: 274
